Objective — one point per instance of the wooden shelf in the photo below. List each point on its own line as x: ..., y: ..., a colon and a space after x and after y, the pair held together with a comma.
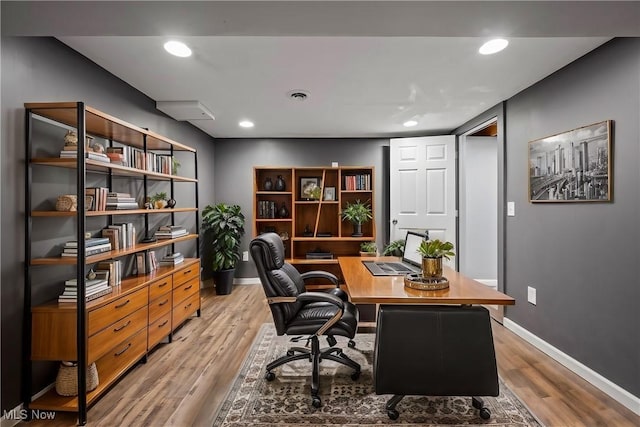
x: 113, y: 212
x: 273, y: 193
x: 112, y: 254
x: 104, y: 167
x: 273, y: 220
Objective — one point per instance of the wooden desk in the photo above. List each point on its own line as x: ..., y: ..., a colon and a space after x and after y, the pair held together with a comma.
x: 364, y: 288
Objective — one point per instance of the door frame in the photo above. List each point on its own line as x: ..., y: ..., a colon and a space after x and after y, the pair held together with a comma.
x: 498, y: 113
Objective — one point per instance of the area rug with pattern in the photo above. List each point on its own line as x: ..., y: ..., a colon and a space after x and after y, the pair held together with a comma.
x: 285, y: 401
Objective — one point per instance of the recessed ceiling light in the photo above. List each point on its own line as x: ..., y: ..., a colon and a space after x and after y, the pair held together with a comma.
x: 246, y: 124
x: 493, y: 46
x: 177, y: 48
x: 409, y: 123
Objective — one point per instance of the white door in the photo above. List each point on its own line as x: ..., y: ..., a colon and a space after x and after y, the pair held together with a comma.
x: 423, y: 187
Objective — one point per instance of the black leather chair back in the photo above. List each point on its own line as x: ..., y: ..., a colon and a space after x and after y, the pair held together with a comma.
x: 279, y: 278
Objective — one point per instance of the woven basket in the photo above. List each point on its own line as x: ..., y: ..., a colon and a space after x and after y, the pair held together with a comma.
x: 67, y: 379
x: 67, y: 202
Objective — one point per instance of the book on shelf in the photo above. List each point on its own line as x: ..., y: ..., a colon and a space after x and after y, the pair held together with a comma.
x: 74, y: 298
x: 121, y: 205
x: 93, y: 241
x: 146, y: 262
x: 99, y: 195
x: 127, y: 234
x: 170, y: 232
x: 72, y: 251
x: 65, y: 154
x: 113, y: 234
x: 114, y: 267
x: 172, y: 259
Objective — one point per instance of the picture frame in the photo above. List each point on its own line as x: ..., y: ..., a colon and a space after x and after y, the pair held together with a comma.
x: 310, y: 187
x: 329, y: 194
x: 572, y: 166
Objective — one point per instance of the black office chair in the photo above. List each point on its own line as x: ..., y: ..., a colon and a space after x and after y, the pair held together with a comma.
x: 298, y: 312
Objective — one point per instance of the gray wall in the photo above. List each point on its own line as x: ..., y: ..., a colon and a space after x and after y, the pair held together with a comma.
x: 235, y: 159
x: 43, y: 70
x: 583, y: 258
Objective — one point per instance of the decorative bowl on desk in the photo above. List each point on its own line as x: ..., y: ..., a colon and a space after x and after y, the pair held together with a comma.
x: 418, y: 281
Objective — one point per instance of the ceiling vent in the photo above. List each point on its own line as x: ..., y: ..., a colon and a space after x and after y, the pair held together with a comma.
x: 185, y: 110
x: 298, y: 95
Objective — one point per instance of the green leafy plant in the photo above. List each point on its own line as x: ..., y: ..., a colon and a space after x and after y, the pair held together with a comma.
x: 225, y: 223
x: 175, y: 165
x: 158, y: 196
x: 370, y: 247
x: 436, y: 249
x: 395, y: 248
x: 357, y: 212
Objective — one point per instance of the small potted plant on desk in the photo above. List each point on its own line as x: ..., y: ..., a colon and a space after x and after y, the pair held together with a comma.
x: 395, y: 248
x: 368, y: 249
x: 224, y: 225
x: 358, y: 213
x: 432, y: 252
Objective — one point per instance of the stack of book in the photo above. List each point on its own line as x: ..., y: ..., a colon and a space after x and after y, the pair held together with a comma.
x: 114, y: 268
x: 121, y: 235
x: 170, y: 232
x: 72, y: 154
x: 93, y: 246
x: 120, y: 201
x: 117, y: 155
x: 93, y: 289
x: 169, y: 260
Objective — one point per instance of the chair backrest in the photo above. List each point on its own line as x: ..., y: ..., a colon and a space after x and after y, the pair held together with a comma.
x: 278, y: 278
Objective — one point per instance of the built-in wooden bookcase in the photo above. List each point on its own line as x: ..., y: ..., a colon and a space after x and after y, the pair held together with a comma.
x: 314, y: 225
x: 117, y: 330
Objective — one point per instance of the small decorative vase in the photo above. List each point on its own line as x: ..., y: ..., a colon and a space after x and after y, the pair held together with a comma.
x: 280, y: 184
x: 283, y: 212
x: 171, y: 203
x: 268, y: 184
x: 432, y: 268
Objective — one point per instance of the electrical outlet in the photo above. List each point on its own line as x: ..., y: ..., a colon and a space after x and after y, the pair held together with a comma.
x: 245, y: 255
x: 531, y: 295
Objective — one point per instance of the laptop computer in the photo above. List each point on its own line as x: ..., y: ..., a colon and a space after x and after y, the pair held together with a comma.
x: 411, y: 259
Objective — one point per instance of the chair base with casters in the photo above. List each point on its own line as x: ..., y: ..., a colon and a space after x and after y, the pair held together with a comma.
x: 316, y: 355
x: 299, y: 313
x: 432, y: 350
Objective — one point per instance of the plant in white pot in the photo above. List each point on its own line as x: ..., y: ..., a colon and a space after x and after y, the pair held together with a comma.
x: 224, y: 225
x: 432, y: 252
x: 357, y: 213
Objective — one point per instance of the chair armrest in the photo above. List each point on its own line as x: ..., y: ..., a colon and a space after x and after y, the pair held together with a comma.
x: 321, y: 297
x: 318, y: 274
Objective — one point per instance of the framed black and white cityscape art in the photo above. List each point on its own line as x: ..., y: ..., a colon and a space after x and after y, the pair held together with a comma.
x: 572, y: 166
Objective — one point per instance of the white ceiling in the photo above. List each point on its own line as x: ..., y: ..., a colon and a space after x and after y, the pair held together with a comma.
x: 368, y: 65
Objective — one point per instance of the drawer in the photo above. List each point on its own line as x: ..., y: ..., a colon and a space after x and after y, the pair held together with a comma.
x: 186, y: 274
x: 185, y: 290
x: 185, y: 309
x: 158, y: 330
x: 115, y: 333
x: 159, y: 307
x: 122, y: 357
x: 160, y: 287
x: 104, y: 316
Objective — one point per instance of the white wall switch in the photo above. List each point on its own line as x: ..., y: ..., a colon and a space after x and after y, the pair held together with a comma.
x: 511, y: 209
x: 531, y: 295
x: 245, y: 255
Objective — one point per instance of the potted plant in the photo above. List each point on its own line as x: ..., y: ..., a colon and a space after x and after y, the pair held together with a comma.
x: 158, y: 200
x: 368, y: 249
x: 358, y: 213
x: 432, y: 252
x: 395, y: 248
x: 225, y: 224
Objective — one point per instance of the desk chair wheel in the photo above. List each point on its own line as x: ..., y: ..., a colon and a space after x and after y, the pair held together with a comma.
x: 478, y: 403
x: 393, y: 414
x: 316, y: 402
x: 485, y: 414
x: 352, y: 344
x: 270, y: 376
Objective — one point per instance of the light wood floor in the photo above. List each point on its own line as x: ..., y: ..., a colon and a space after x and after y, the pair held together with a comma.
x: 183, y: 383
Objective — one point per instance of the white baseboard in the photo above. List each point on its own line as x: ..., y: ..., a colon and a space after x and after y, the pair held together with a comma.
x: 615, y: 391
x: 246, y: 281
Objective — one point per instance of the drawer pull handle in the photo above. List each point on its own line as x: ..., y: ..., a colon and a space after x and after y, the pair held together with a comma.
x: 122, y: 327
x: 163, y: 284
x: 187, y: 306
x: 123, y: 350
x: 188, y: 287
x: 163, y: 303
x: 163, y: 323
x: 123, y: 304
x: 186, y: 272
